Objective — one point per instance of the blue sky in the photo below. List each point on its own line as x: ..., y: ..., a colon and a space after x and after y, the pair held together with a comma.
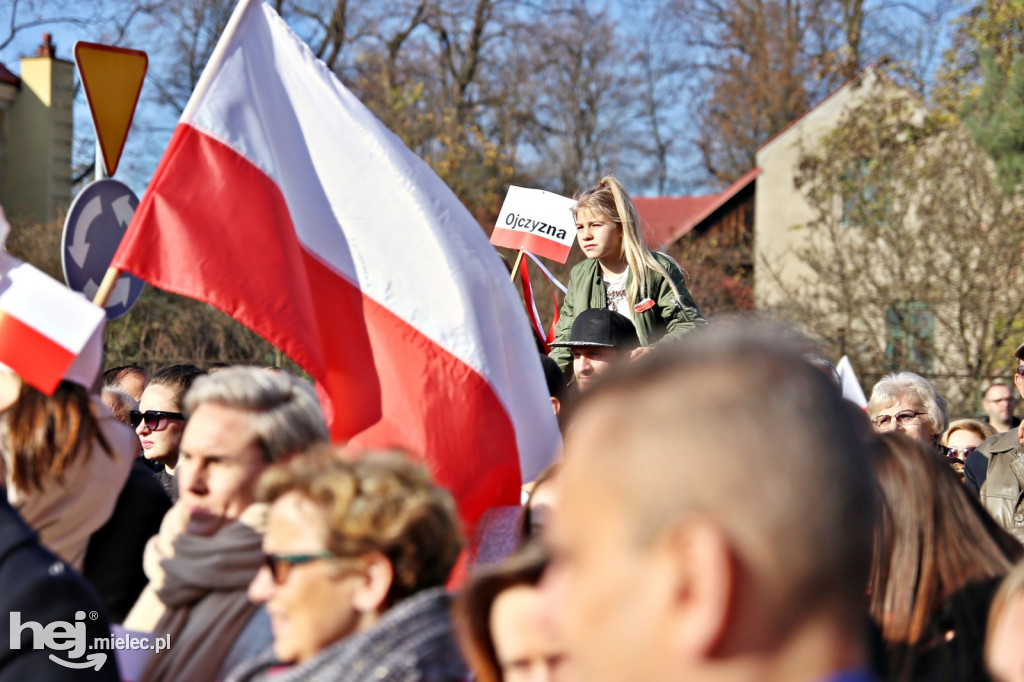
x: 153, y: 125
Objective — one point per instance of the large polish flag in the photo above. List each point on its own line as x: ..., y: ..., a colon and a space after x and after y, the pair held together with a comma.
x: 284, y: 202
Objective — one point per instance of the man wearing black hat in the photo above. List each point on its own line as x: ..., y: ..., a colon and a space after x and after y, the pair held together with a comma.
x: 996, y: 469
x: 600, y: 338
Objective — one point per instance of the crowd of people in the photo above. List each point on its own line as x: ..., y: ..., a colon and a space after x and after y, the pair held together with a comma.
x: 719, y: 512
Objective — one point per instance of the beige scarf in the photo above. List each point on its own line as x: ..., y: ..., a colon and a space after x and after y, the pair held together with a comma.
x: 197, y: 593
x: 66, y: 514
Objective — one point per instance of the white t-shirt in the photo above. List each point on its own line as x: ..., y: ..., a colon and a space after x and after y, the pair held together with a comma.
x: 615, y: 293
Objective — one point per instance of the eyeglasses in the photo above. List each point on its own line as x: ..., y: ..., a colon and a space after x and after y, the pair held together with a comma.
x: 904, y: 418
x: 1020, y: 371
x: 155, y: 419
x: 280, y: 565
x: 960, y: 453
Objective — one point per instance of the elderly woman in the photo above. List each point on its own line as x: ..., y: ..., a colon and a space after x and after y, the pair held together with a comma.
x: 907, y: 402
x: 357, y: 553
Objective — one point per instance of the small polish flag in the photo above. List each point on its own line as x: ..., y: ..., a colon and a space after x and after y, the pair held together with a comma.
x: 43, y: 324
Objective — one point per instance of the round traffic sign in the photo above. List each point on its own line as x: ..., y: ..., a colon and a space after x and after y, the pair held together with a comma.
x: 96, y: 221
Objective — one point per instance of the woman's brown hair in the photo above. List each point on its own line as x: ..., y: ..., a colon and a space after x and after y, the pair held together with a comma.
x: 931, y: 541
x: 472, y: 610
x: 376, y: 502
x: 527, y: 519
x: 44, y: 434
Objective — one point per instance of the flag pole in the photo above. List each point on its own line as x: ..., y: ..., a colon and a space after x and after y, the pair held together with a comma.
x: 106, y: 287
x: 515, y: 267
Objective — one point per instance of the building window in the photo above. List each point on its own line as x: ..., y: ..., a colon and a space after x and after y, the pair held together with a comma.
x: 910, y: 337
x: 866, y: 199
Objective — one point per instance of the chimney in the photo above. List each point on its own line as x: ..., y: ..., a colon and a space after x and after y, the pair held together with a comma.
x: 47, y: 48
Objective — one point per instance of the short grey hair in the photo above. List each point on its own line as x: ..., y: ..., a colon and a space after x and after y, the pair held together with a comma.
x: 892, y: 387
x: 120, y: 404
x: 285, y: 410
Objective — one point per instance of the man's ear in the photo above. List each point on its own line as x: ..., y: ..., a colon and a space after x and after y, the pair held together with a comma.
x: 556, y: 405
x: 376, y: 578
x: 703, y: 570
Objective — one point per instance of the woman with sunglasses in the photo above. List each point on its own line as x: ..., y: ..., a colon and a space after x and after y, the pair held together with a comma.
x: 357, y: 553
x: 160, y: 423
x: 961, y: 439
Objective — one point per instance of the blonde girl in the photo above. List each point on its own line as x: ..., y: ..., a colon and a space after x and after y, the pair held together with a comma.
x: 621, y: 274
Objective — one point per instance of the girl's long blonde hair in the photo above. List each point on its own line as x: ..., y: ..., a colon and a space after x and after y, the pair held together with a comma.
x: 609, y: 198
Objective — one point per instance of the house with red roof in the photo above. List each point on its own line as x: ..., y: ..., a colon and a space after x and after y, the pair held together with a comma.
x: 712, y: 236
x: 725, y: 240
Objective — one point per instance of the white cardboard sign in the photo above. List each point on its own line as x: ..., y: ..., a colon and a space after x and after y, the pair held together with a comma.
x: 536, y: 221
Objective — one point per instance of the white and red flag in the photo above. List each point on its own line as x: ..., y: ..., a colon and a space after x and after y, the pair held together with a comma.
x: 537, y: 222
x: 284, y: 202
x: 43, y: 324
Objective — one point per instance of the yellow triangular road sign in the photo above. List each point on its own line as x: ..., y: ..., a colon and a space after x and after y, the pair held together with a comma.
x: 112, y: 77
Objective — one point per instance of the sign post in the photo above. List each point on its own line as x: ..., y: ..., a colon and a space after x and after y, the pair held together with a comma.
x: 541, y: 223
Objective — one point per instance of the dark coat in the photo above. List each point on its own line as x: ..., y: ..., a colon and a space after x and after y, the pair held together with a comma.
x: 159, y: 472
x: 113, y: 561
x: 951, y: 647
x: 43, y: 589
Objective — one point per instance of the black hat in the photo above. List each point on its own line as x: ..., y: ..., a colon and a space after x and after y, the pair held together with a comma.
x: 602, y: 327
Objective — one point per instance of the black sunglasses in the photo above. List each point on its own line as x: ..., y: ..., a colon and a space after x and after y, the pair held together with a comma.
x: 280, y: 565
x: 156, y: 420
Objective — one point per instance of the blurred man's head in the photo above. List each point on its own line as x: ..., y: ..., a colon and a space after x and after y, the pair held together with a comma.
x: 120, y: 404
x: 998, y: 402
x: 240, y: 420
x: 130, y: 379
x: 600, y: 338
x: 556, y: 383
x: 716, y: 508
